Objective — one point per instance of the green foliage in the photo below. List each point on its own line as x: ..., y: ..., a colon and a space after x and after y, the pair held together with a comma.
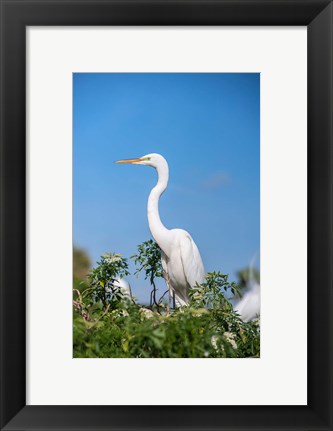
x: 136, y: 332
x: 148, y: 259
x: 111, y: 327
x: 212, y: 292
x: 102, y: 278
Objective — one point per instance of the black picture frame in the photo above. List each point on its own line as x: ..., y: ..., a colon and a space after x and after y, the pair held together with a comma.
x: 16, y: 15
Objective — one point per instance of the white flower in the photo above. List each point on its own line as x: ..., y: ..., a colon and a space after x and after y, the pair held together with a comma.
x: 146, y: 313
x: 110, y: 258
x: 213, y: 340
x: 230, y: 337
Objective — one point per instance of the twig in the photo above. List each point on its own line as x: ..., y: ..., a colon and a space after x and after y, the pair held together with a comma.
x: 80, y: 306
x: 101, y: 317
x: 160, y: 300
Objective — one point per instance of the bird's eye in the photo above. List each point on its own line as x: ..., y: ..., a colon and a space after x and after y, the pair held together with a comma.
x: 146, y: 159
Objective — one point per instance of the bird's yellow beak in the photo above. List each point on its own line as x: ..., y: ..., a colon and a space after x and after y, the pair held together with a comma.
x: 138, y: 160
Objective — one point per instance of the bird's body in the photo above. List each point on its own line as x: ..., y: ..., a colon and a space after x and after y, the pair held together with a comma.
x: 181, y: 259
x: 249, y: 306
x: 183, y: 265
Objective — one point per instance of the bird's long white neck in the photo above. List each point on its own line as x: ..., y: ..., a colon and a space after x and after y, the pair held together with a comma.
x: 159, y: 232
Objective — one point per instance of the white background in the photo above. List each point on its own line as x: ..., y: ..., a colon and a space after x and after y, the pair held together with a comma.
x: 279, y: 376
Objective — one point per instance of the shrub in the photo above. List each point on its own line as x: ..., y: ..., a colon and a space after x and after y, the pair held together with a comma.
x: 107, y: 325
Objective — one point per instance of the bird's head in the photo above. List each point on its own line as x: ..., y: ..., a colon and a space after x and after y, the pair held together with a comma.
x: 153, y: 160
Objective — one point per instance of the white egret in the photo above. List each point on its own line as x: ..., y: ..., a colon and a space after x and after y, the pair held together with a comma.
x: 181, y: 259
x: 248, y: 307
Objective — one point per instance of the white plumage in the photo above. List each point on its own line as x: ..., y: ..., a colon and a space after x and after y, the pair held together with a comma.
x: 183, y: 266
x: 248, y: 306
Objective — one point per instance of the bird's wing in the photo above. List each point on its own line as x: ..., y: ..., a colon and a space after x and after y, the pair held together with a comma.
x: 191, y: 260
x: 249, y: 306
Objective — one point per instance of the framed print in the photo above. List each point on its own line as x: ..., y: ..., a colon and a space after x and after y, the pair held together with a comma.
x: 231, y: 104
x: 217, y: 105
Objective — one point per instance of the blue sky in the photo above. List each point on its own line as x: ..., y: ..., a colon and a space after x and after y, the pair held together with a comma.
x: 207, y: 126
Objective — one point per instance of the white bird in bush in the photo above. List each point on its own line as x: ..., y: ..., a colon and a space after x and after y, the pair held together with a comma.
x: 248, y: 306
x: 181, y: 260
x: 122, y: 285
